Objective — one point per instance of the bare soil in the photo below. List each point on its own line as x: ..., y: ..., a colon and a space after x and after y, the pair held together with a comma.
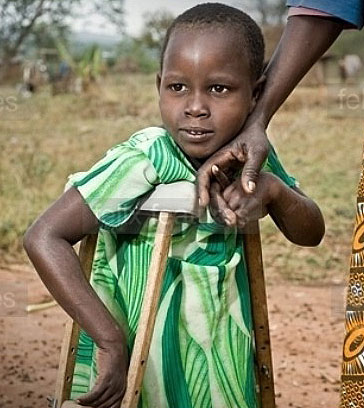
x: 307, y: 331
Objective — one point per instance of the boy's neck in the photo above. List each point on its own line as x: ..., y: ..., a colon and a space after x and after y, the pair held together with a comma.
x: 196, y: 163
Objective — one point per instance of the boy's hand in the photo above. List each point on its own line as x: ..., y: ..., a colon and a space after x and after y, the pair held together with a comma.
x: 111, y: 382
x: 232, y: 206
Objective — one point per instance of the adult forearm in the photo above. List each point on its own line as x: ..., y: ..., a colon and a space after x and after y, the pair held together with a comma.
x: 304, y: 40
x: 60, y: 270
x: 298, y: 217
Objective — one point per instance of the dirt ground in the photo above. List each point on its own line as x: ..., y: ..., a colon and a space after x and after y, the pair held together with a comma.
x: 307, y: 330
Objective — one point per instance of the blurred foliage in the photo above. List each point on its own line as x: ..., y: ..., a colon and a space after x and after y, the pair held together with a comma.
x: 43, y: 35
x: 88, y: 68
x: 142, y: 54
x: 349, y: 42
x: 135, y: 56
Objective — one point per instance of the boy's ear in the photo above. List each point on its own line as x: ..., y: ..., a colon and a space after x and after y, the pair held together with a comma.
x: 158, y: 82
x: 257, y: 90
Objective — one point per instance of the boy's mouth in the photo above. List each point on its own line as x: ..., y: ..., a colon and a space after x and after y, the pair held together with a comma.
x: 196, y: 133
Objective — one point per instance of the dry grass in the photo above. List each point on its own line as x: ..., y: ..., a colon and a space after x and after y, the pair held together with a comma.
x: 46, y: 138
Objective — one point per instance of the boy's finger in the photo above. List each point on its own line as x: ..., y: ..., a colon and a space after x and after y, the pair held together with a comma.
x: 251, y: 211
x: 116, y: 405
x: 92, y: 396
x: 115, y: 400
x: 220, y: 207
x: 220, y: 176
x: 105, y: 400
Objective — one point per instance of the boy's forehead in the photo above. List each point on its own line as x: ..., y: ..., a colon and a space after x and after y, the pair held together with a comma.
x: 214, y: 44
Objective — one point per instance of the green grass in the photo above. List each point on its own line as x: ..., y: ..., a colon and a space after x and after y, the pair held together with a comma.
x: 46, y: 138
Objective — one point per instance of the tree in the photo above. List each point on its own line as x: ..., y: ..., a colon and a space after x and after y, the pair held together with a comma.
x: 112, y: 10
x: 20, y: 18
x: 155, y: 28
x: 43, y: 36
x: 267, y: 12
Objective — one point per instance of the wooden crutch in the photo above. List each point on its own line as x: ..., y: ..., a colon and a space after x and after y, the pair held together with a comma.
x: 169, y: 200
x: 254, y: 260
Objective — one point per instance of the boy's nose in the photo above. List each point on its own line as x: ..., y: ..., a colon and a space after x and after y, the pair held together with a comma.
x: 196, y: 106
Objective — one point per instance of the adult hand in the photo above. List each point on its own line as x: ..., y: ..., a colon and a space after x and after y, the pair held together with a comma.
x: 108, y: 392
x: 249, y: 149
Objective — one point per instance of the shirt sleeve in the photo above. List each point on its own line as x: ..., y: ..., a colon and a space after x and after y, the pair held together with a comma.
x: 351, y: 11
x: 274, y: 166
x: 115, y: 184
x: 304, y: 11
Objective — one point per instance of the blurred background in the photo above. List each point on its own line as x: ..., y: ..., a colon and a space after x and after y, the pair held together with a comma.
x: 78, y: 77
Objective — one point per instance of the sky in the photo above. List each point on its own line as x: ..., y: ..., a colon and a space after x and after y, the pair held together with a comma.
x: 134, y: 11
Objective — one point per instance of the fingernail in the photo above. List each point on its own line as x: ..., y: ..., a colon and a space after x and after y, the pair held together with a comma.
x: 251, y: 185
x: 214, y: 168
x: 227, y: 219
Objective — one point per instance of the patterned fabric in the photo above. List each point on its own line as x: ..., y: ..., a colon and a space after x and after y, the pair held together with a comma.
x: 352, y: 375
x: 201, y: 354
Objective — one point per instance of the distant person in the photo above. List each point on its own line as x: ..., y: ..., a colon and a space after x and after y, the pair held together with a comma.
x: 202, y: 349
x: 350, y: 66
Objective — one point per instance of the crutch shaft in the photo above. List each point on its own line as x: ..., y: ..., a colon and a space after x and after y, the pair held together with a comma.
x: 70, y: 339
x: 253, y: 255
x: 149, y: 310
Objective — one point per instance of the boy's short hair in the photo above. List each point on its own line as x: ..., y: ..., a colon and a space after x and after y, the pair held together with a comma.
x: 221, y: 15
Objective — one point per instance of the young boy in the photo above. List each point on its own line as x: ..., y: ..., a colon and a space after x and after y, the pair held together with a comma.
x: 201, y: 353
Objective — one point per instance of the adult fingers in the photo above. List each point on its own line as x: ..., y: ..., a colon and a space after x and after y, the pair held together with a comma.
x: 255, y: 157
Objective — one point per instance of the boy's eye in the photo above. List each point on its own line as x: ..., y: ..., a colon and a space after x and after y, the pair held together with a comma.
x: 219, y: 89
x: 177, y: 87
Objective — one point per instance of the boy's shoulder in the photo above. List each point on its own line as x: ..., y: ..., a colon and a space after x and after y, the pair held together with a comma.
x: 157, y: 144
x: 143, y: 139
x: 161, y: 150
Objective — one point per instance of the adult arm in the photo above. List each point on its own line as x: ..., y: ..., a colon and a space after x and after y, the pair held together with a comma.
x: 303, y: 42
x: 48, y: 243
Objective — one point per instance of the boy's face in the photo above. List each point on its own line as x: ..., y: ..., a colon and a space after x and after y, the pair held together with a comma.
x: 205, y: 89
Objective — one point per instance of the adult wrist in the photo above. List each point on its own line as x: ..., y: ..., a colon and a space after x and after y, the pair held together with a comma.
x: 257, y: 119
